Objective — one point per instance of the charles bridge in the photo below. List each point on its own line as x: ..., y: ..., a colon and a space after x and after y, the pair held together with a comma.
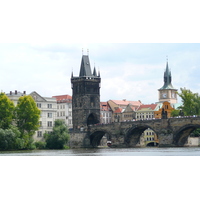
x: 172, y: 132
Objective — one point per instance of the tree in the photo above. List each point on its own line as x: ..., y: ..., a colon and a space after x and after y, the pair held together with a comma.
x: 191, y: 102
x: 27, y: 117
x: 6, y: 111
x: 59, y: 137
x: 10, y: 139
x: 175, y: 113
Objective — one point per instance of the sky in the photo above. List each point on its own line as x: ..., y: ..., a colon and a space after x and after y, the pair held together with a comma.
x: 132, y: 71
x: 41, y: 44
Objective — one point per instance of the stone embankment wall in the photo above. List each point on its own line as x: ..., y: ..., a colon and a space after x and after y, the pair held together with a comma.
x: 76, y: 139
x: 193, y: 142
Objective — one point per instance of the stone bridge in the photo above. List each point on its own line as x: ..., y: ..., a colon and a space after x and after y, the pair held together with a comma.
x: 171, y: 132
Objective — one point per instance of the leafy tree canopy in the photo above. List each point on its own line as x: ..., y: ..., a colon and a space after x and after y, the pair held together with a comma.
x: 6, y: 111
x: 27, y: 115
x: 59, y: 137
x: 191, y: 102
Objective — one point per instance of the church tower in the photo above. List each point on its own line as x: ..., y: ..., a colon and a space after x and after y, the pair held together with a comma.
x: 167, y: 92
x: 85, y: 95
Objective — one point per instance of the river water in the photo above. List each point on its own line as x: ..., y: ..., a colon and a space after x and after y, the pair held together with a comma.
x: 148, y: 151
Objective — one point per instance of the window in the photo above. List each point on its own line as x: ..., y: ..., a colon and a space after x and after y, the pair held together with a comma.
x: 39, y: 105
x: 49, y: 105
x: 49, y: 132
x: 49, y: 115
x: 39, y: 134
x: 40, y: 123
x: 49, y: 123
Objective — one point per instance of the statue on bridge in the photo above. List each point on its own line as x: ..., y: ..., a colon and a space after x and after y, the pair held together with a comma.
x: 164, y: 114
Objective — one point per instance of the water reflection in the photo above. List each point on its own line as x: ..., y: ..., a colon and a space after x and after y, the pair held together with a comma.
x: 149, y: 151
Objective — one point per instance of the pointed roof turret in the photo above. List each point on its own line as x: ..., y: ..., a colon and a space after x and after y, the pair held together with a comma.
x: 98, y: 73
x: 85, y: 69
x: 94, y: 72
x: 167, y: 79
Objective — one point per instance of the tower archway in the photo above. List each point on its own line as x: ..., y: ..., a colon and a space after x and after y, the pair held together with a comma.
x: 92, y: 119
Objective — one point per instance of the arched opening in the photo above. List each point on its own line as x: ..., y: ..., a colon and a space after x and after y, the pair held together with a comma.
x: 92, y: 119
x: 181, y: 136
x: 152, y: 144
x: 141, y: 136
x: 99, y: 139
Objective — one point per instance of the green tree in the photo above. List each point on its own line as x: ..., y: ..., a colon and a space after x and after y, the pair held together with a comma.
x: 27, y: 117
x: 59, y: 137
x: 6, y: 111
x: 175, y: 113
x: 196, y: 133
x: 191, y: 102
x: 10, y: 139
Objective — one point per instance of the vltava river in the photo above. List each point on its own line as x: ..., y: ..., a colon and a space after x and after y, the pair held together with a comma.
x: 148, y: 151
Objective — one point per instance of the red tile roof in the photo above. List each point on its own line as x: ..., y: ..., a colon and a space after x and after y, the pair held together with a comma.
x: 150, y: 106
x: 104, y: 106
x: 125, y: 102
x: 119, y: 110
x: 63, y: 98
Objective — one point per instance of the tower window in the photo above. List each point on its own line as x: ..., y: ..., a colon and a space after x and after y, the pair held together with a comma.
x: 92, y: 102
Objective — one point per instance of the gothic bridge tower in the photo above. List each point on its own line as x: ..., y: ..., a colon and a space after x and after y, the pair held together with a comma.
x: 85, y: 96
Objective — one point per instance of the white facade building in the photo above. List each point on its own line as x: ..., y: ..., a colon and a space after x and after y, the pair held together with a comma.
x: 48, y: 107
x: 64, y: 109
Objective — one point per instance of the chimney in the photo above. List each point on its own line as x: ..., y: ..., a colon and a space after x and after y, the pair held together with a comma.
x: 10, y: 92
x: 24, y: 92
x: 15, y: 91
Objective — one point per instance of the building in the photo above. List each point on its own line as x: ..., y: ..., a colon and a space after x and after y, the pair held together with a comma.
x: 167, y: 92
x: 129, y: 113
x: 48, y: 107
x: 64, y: 109
x: 119, y: 106
x: 14, y: 96
x: 85, y: 96
x: 167, y: 97
x: 105, y: 113
x: 146, y: 112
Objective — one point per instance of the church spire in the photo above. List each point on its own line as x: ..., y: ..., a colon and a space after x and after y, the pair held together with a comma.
x: 167, y: 78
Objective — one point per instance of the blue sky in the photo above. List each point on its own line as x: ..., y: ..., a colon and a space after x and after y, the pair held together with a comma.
x: 132, y: 71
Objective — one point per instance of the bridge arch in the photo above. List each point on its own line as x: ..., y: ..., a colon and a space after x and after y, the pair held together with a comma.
x: 96, y: 136
x: 133, y: 134
x: 181, y: 136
